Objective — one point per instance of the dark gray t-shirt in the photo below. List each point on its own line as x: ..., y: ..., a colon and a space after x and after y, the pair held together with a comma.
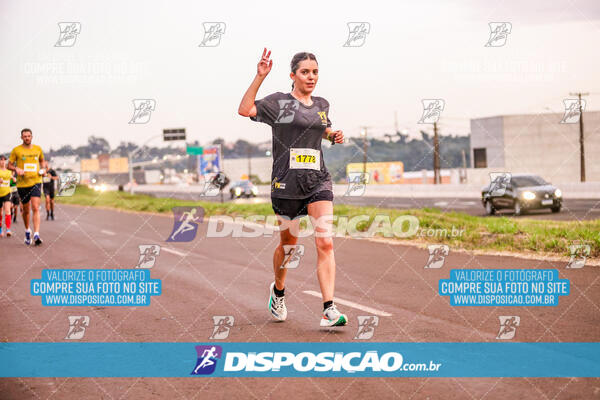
x: 298, y: 167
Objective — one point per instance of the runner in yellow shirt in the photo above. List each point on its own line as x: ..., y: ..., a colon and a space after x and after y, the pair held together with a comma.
x: 5, y: 204
x: 28, y: 161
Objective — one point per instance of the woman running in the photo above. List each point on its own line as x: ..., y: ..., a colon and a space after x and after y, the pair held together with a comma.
x: 300, y: 182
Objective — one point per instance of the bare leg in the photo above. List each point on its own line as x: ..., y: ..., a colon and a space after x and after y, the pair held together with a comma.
x: 325, y: 256
x: 35, y: 204
x: 286, y: 238
x: 25, y: 208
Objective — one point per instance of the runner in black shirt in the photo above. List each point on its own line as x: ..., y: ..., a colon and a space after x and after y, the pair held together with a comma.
x: 300, y: 182
x: 48, y: 181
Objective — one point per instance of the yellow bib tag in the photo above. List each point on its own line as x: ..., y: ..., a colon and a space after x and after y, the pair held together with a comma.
x: 30, y: 167
x: 301, y: 158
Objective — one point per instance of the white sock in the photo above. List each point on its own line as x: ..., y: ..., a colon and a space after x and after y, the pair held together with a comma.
x: 28, y: 230
x: 36, y: 234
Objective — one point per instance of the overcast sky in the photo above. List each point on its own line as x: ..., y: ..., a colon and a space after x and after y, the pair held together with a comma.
x: 415, y: 50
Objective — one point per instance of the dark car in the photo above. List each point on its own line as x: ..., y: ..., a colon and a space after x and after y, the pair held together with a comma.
x: 520, y: 193
x: 243, y: 189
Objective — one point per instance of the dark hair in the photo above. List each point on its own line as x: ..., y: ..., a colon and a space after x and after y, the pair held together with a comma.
x: 26, y: 130
x: 300, y: 57
x: 2, y: 157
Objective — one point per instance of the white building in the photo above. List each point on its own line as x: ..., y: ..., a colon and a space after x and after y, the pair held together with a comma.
x: 537, y: 143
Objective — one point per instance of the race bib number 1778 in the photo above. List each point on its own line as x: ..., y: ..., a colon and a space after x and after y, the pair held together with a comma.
x: 302, y: 158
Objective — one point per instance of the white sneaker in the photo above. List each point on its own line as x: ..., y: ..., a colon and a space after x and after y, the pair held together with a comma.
x: 277, y: 305
x: 332, y: 317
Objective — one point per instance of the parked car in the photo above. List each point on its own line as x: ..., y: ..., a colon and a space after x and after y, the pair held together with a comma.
x: 521, y: 193
x: 243, y: 189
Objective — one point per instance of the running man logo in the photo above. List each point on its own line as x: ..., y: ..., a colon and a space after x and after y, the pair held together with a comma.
x: 210, y: 189
x: 437, y: 255
x: 77, y: 325
x: 142, y: 110
x: 207, y: 359
x: 357, y: 33
x: 508, y: 327
x: 223, y: 323
x: 68, y: 34
x: 67, y: 183
x: 357, y: 183
x: 212, y: 34
x: 287, y: 110
x: 498, y: 34
x: 499, y: 182
x: 579, y: 253
x: 573, y: 109
x: 292, y: 255
x: 432, y: 109
x: 148, y: 254
x: 185, y: 224
x: 366, y: 327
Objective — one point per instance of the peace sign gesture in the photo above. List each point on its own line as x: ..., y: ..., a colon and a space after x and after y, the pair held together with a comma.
x: 265, y: 64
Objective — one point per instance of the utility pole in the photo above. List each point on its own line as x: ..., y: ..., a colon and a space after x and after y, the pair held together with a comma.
x: 249, y: 163
x: 364, y: 135
x: 436, y: 155
x: 581, y: 146
x: 463, y: 175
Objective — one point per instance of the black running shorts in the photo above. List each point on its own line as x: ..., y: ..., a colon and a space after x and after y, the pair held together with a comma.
x: 26, y: 193
x: 293, y: 208
x: 49, y: 189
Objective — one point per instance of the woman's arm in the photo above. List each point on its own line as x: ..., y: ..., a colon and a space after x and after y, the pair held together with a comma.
x: 247, y: 107
x: 337, y: 135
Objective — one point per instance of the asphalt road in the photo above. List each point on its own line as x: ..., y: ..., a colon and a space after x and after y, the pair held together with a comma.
x: 572, y: 210
x: 227, y: 276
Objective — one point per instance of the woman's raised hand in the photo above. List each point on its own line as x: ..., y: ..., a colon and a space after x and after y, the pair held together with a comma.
x: 265, y: 64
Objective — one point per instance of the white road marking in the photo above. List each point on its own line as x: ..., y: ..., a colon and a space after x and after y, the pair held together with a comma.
x: 111, y: 233
x: 172, y: 251
x: 351, y: 304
